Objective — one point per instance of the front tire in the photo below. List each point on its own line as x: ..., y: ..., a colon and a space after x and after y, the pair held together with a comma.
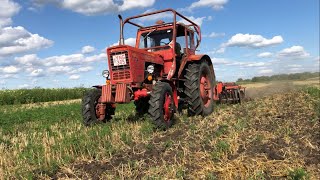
x: 89, y: 108
x: 142, y: 106
x: 161, y: 105
x: 199, y: 89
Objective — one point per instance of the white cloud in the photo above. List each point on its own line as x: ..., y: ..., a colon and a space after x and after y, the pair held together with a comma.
x: 87, y: 49
x: 59, y: 69
x: 155, y: 17
x: 317, y: 58
x: 9, y: 70
x: 64, y: 60
x: 28, y: 60
x: 3, y: 81
x: 37, y: 73
x: 74, y: 77
x: 256, y: 64
x: 215, y: 4
x: 214, y: 35
x: 73, y: 59
x: 24, y: 86
x: 34, y: 81
x: 198, y: 20
x: 81, y: 69
x: 129, y: 4
x: 252, y: 40
x: 55, y: 65
x: 14, y: 40
x: 96, y: 58
x: 7, y: 76
x: 217, y: 61
x: 85, y: 69
x: 294, y: 65
x: 93, y: 7
x: 220, y: 50
x: 10, y: 34
x: 265, y: 71
x: 97, y: 7
x: 248, y: 64
x: 129, y: 41
x: 265, y: 55
x: 294, y: 52
x: 32, y: 60
x: 8, y: 9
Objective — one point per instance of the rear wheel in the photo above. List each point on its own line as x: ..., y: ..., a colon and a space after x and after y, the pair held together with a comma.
x: 161, y: 105
x: 90, y: 108
x: 199, y: 89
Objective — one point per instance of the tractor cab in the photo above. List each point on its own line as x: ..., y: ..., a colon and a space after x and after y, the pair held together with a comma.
x: 172, y: 44
x: 160, y: 38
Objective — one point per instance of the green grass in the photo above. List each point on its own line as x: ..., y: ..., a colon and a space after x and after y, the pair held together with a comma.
x: 48, y: 137
x: 298, y: 174
x: 314, y: 92
x: 25, y: 96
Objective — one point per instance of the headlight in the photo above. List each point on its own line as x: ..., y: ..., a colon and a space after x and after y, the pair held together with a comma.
x: 105, y: 73
x: 150, y: 69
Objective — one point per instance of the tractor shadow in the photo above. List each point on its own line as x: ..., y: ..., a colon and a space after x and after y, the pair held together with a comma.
x: 131, y: 117
x: 134, y: 117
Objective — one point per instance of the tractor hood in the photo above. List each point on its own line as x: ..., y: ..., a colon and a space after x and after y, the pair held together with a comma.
x: 127, y: 63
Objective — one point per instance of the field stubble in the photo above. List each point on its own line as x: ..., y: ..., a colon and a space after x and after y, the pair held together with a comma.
x: 277, y: 136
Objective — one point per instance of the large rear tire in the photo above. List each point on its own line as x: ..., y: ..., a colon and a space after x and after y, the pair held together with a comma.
x: 161, y: 105
x: 199, y: 89
x: 89, y: 108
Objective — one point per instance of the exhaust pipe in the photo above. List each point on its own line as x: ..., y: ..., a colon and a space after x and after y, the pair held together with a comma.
x: 121, y: 41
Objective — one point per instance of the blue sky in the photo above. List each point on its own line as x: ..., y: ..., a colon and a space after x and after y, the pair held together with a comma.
x: 61, y: 43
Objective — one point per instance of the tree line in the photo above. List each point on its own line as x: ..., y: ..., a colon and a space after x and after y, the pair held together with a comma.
x: 279, y: 77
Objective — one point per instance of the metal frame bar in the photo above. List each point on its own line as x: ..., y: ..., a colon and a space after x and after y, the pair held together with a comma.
x: 175, y: 13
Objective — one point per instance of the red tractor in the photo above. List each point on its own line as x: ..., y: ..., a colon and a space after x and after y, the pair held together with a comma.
x: 159, y: 73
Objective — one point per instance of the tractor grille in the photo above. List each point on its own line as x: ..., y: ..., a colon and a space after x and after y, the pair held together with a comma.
x: 122, y: 71
x: 118, y: 75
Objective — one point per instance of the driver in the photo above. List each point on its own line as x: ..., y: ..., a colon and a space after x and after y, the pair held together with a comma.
x: 177, y: 47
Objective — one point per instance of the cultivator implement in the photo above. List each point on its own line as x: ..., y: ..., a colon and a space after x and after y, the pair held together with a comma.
x: 229, y: 93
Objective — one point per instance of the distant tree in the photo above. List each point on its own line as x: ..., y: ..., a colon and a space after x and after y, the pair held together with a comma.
x: 279, y: 77
x: 240, y: 80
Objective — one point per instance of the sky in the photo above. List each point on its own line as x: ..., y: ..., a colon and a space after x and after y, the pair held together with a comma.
x: 62, y: 43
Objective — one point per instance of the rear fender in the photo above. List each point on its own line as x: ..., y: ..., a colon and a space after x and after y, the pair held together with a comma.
x: 197, y: 59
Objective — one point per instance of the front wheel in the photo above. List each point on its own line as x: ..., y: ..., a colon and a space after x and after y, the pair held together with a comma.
x: 161, y: 105
x: 199, y: 89
x: 142, y: 106
x: 90, y: 108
